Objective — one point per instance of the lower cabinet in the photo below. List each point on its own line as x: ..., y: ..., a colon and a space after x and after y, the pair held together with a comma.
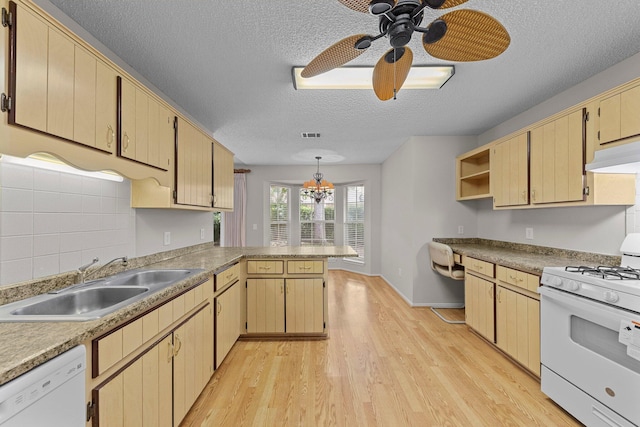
x: 227, y: 321
x: 518, y: 327
x: 479, y: 303
x: 285, y: 306
x: 160, y: 383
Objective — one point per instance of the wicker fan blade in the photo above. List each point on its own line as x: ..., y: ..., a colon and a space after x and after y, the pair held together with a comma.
x: 452, y: 3
x: 360, y: 5
x: 470, y: 36
x: 334, y: 56
x: 388, y: 77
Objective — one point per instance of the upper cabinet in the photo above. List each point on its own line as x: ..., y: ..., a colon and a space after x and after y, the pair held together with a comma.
x: 58, y: 87
x: 64, y: 96
x: 557, y: 159
x: 619, y: 116
x: 146, y: 133
x: 472, y: 172
x: 510, y: 171
x: 222, y: 177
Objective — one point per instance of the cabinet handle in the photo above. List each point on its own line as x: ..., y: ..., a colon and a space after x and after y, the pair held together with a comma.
x: 126, y: 141
x: 524, y: 195
x: 265, y: 268
x: 229, y: 276
x: 304, y: 268
x: 178, y: 345
x: 512, y: 277
x: 219, y: 307
x: 281, y: 289
x: 499, y: 295
x: 170, y: 353
x: 521, y: 280
x: 110, y: 136
x: 533, y: 194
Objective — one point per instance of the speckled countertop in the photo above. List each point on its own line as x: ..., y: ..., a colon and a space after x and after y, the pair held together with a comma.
x: 26, y: 345
x: 528, y: 258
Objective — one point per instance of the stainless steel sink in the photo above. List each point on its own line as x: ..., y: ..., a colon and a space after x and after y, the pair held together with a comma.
x: 79, y: 302
x: 95, y: 299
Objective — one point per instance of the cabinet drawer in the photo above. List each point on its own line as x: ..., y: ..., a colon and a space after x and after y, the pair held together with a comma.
x: 227, y: 277
x: 518, y: 278
x: 305, y: 267
x: 265, y: 267
x: 482, y: 267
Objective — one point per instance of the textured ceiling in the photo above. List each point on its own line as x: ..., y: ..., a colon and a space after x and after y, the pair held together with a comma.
x: 228, y: 64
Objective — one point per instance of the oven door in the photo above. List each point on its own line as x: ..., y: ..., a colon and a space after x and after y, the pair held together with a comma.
x: 579, y: 342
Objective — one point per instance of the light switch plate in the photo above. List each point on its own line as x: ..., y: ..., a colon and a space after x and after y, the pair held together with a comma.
x: 167, y: 238
x: 528, y: 233
x: 202, y: 234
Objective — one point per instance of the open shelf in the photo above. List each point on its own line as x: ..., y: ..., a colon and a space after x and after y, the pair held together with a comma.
x: 473, y: 174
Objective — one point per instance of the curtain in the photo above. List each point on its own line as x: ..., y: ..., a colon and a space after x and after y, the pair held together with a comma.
x: 235, y: 222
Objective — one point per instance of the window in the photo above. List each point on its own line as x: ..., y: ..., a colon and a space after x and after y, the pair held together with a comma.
x: 354, y: 219
x: 217, y: 227
x: 317, y: 221
x: 279, y: 216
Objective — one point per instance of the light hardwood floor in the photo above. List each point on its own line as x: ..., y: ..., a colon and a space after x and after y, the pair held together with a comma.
x: 384, y: 364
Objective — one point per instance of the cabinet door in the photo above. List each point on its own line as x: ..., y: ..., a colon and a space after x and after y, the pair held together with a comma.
x: 105, y: 107
x: 193, y: 175
x: 557, y: 160
x: 60, y: 72
x: 518, y: 327
x: 192, y: 361
x: 630, y: 112
x: 127, y: 119
x: 227, y: 321
x: 305, y: 305
x: 222, y: 177
x: 141, y: 394
x: 265, y: 305
x: 31, y: 71
x: 142, y: 126
x: 479, y: 306
x: 84, y: 98
x: 511, y: 165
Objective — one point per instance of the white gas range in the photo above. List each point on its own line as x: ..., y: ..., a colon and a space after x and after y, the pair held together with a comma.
x: 590, y: 339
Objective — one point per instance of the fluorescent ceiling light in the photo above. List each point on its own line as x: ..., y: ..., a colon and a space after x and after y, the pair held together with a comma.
x: 48, y: 162
x: 420, y: 77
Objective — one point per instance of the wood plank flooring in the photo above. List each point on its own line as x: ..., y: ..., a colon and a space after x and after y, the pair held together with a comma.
x: 384, y: 364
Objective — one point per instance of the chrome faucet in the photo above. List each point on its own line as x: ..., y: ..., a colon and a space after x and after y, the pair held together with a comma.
x: 84, y: 275
x: 83, y: 268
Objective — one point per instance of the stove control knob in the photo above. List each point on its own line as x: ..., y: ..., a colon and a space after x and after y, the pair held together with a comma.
x: 555, y: 281
x: 610, y: 296
x: 572, y: 285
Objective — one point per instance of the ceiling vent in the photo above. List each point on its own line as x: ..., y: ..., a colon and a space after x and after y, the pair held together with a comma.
x: 310, y: 135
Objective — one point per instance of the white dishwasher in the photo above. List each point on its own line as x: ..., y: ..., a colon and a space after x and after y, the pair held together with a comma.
x: 50, y: 395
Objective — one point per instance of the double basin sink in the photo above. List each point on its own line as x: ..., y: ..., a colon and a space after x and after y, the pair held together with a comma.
x: 94, y: 299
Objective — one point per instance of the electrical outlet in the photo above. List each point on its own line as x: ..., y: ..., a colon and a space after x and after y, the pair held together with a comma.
x: 167, y: 238
x: 202, y: 234
x: 528, y: 233
x: 255, y: 226
x: 460, y: 229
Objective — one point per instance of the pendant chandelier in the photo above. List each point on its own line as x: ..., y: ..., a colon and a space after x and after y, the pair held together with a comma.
x: 317, y: 188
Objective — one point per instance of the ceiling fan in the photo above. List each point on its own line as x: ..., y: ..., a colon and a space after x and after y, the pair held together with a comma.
x: 462, y: 35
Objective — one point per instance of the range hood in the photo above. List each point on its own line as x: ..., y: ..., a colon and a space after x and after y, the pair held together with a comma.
x: 621, y: 159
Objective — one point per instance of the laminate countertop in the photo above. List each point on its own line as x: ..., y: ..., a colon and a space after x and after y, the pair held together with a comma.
x: 24, y: 346
x: 529, y: 258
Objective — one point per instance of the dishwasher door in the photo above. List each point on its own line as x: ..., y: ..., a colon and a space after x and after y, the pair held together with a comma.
x: 51, y: 394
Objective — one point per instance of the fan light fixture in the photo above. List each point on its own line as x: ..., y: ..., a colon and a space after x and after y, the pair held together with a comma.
x: 420, y: 77
x: 318, y: 188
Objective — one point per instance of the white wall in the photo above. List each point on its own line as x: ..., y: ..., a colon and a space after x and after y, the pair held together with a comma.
x: 419, y: 204
x: 598, y: 229
x: 261, y: 177
x: 52, y: 222
x: 185, y: 229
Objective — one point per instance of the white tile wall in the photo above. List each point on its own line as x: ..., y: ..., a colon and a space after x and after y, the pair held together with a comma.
x: 52, y: 222
x: 633, y: 212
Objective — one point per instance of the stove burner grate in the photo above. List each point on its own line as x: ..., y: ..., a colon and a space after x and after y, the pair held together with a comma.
x: 607, y: 272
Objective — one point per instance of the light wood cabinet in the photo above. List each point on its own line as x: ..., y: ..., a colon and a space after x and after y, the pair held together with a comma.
x: 227, y: 276
x: 304, y: 305
x: 619, y: 116
x: 60, y: 88
x: 193, y: 174
x: 265, y: 267
x: 228, y: 324
x: 518, y: 278
x: 479, y: 303
x: 473, y: 174
x: 510, y: 172
x: 518, y: 327
x: 146, y: 126
x: 222, y: 177
x: 265, y: 306
x: 150, y: 371
x: 557, y: 159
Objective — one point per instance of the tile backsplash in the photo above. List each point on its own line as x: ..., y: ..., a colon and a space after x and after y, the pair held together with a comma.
x: 52, y: 222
